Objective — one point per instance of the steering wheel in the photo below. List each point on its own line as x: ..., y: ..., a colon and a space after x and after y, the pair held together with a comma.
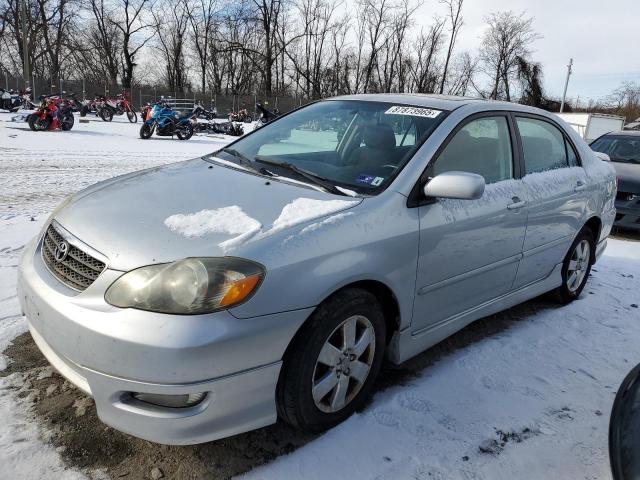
x: 388, y: 165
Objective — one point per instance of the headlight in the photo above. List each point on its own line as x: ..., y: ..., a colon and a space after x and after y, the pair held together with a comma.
x: 189, y: 286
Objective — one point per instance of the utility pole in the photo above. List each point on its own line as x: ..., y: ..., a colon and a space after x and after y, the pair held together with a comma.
x: 566, y: 84
x: 25, y: 44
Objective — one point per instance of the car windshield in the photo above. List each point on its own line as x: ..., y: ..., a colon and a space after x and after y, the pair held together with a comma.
x: 620, y: 148
x: 344, y: 146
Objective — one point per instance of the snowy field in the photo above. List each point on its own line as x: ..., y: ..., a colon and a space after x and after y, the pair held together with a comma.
x: 524, y: 394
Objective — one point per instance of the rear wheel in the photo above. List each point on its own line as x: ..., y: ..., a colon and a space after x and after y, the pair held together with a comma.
x: 576, y: 267
x: 146, y: 131
x: 67, y: 122
x: 185, y: 132
x: 332, y: 365
x: 84, y: 110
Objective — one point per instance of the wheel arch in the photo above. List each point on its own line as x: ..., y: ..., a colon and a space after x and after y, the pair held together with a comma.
x: 595, y: 225
x: 384, y: 294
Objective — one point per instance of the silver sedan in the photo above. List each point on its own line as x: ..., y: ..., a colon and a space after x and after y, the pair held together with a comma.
x: 271, y: 278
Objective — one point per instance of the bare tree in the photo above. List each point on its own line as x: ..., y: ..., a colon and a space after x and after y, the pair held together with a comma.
x: 456, y: 21
x: 508, y: 36
x: 202, y: 17
x: 103, y: 38
x: 427, y: 47
x: 171, y: 23
x: 136, y: 32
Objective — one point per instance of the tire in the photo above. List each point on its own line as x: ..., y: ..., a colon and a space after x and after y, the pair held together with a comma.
x: 303, y: 368
x: 146, y: 131
x: 67, y: 122
x: 36, y: 124
x: 84, y: 110
x: 185, y: 133
x: 248, y: 119
x: 573, y: 281
x: 106, y: 114
x: 132, y: 116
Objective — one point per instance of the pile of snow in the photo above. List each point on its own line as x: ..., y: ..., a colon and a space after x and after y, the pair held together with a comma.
x: 305, y: 209
x: 226, y: 220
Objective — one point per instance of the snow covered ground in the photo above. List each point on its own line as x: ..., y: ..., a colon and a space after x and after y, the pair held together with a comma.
x: 529, y: 399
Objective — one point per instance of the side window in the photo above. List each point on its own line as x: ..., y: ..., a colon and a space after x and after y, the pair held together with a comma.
x: 543, y: 145
x: 571, y: 154
x: 482, y: 146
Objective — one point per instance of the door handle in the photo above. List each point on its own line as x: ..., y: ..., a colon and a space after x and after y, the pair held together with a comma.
x: 517, y: 203
x: 580, y: 186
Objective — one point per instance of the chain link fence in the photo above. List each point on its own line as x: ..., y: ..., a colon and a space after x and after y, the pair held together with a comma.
x: 141, y: 94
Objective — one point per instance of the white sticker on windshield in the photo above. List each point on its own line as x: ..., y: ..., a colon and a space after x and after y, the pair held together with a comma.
x: 413, y: 111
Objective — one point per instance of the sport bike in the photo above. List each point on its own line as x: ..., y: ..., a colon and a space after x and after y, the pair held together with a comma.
x: 166, y: 122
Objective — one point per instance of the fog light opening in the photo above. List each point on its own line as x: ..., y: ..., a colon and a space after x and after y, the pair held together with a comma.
x: 170, y: 401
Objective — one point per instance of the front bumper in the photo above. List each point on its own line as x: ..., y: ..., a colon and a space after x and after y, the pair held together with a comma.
x: 110, y: 352
x: 628, y: 213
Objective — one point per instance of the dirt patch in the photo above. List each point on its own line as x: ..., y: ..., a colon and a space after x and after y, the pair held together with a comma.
x: 89, y: 444
x: 86, y: 443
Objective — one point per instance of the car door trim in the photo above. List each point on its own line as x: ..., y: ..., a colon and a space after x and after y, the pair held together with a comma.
x: 471, y: 273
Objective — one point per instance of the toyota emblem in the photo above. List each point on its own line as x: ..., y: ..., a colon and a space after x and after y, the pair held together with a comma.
x: 61, y: 251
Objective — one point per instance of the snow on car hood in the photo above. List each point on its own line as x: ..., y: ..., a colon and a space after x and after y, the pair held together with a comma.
x: 192, y: 208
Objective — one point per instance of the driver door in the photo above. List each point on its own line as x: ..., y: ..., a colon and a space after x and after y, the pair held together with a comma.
x: 469, y: 250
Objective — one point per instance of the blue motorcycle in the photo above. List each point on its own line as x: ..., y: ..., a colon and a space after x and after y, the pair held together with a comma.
x: 166, y: 123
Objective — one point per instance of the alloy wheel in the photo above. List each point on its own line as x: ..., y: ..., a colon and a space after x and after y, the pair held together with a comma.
x: 343, y: 364
x: 578, y: 265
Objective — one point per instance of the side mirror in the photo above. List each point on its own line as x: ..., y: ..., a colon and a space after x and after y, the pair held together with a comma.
x: 624, y: 429
x: 460, y: 185
x: 603, y: 156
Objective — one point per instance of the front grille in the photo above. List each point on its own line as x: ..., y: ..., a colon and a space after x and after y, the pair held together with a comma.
x: 77, y: 269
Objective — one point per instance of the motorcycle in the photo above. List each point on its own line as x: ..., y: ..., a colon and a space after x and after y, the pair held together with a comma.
x: 92, y: 106
x: 265, y: 115
x: 200, y: 112
x: 117, y: 106
x: 241, y: 115
x: 9, y: 100
x: 166, y: 123
x: 53, y: 112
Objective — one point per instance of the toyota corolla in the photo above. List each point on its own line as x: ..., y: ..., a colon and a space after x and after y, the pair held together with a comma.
x: 271, y: 278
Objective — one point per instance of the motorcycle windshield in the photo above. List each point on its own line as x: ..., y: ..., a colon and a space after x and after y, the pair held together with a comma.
x: 155, y: 111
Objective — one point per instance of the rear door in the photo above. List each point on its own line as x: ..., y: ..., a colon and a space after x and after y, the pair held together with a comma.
x: 469, y: 249
x: 556, y: 187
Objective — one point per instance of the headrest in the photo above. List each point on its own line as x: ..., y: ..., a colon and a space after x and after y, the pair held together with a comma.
x: 379, y: 136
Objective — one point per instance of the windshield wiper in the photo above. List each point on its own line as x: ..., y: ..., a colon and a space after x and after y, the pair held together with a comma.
x: 245, y: 161
x: 311, y: 177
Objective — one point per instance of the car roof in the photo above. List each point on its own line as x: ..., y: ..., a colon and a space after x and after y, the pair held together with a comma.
x: 624, y: 133
x: 440, y: 102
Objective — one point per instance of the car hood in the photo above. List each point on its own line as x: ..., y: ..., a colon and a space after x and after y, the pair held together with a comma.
x: 188, y: 209
x: 628, y: 177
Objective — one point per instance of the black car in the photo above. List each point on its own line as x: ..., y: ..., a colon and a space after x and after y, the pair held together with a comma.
x: 624, y: 150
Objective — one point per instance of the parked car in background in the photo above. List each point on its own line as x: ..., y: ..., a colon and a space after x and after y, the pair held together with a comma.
x: 623, y: 148
x: 592, y: 125
x: 271, y: 278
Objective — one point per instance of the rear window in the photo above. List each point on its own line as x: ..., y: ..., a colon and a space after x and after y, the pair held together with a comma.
x: 620, y: 148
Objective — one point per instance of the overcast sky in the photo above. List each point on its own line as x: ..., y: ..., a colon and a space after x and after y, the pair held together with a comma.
x: 602, y: 36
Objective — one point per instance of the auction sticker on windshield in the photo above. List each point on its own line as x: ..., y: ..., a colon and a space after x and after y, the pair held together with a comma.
x: 413, y: 111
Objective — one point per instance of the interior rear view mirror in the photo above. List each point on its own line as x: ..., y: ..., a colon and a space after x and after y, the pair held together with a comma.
x: 460, y: 185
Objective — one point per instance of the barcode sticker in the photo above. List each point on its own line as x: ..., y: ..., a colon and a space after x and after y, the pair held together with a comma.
x: 413, y: 111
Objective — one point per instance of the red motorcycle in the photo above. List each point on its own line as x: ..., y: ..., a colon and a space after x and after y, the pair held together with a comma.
x: 117, y: 106
x: 54, y: 112
x: 241, y: 115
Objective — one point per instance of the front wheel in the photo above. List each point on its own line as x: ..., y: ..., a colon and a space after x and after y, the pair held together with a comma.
x: 185, y: 132
x: 330, y: 369
x: 576, y: 267
x: 106, y: 114
x: 146, y: 130
x: 131, y: 115
x: 36, y: 123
